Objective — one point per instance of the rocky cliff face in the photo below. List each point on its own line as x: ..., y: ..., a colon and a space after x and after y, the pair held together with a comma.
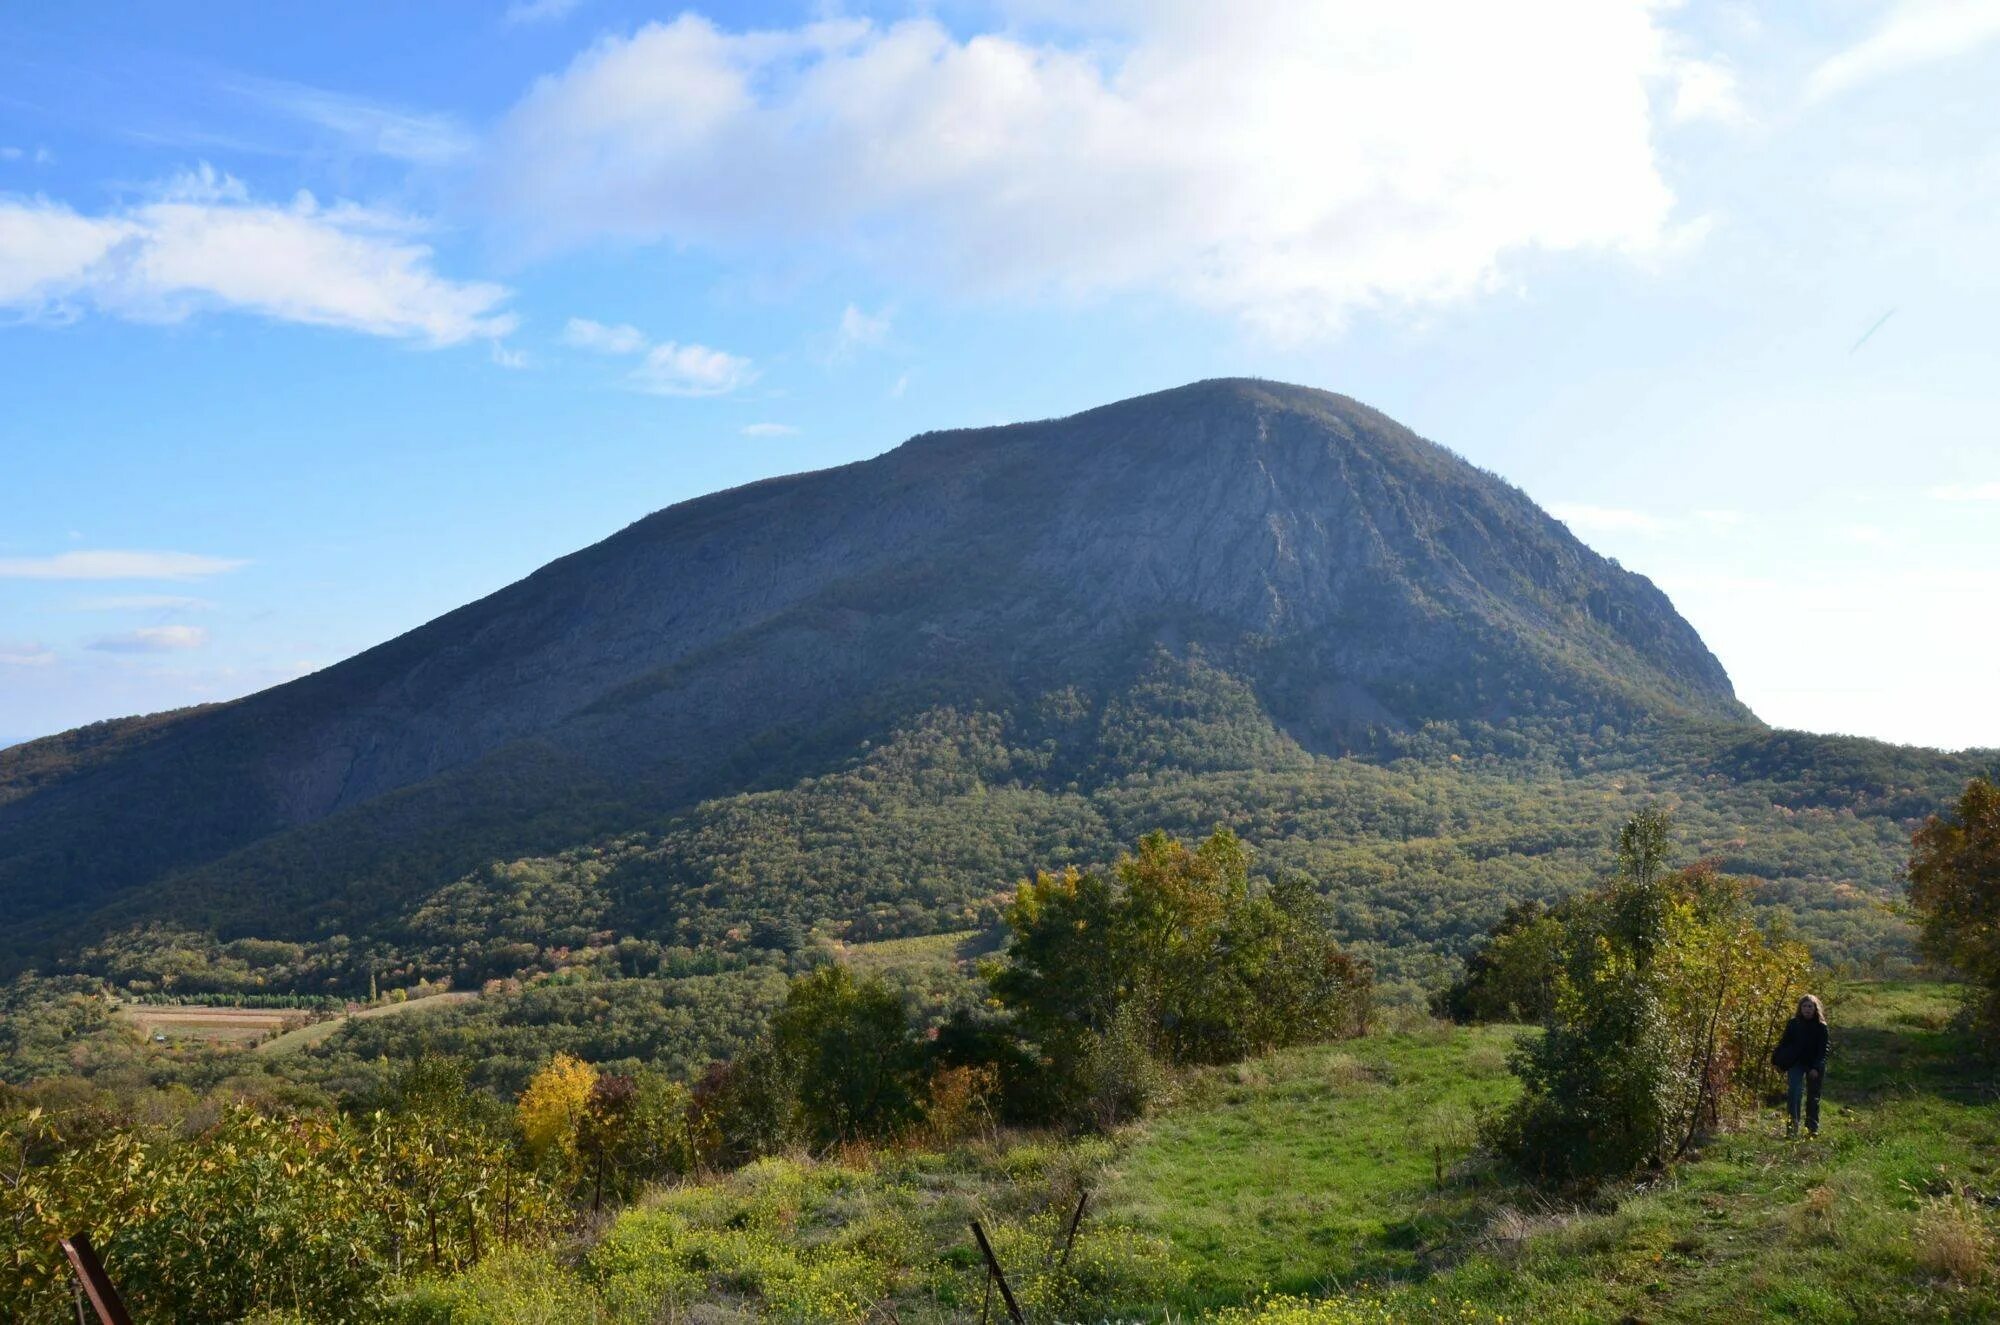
x: 1351, y: 573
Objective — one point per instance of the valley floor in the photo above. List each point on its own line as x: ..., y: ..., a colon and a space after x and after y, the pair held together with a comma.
x: 1339, y: 1183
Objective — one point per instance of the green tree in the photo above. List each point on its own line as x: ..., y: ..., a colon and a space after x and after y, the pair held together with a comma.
x: 1176, y: 957
x: 1665, y: 1004
x: 850, y: 1047
x: 1954, y: 882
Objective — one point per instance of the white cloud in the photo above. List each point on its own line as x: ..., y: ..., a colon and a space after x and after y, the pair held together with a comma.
x: 587, y: 335
x: 110, y: 565
x: 859, y: 331
x: 1957, y: 492
x: 509, y: 358
x: 768, y: 430
x: 11, y: 153
x: 1287, y: 163
x: 667, y: 369
x: 152, y: 639
x: 1915, y: 33
x: 144, y: 602
x: 690, y: 370
x: 1706, y: 90
x: 204, y: 243
x: 538, y: 11
x: 26, y: 655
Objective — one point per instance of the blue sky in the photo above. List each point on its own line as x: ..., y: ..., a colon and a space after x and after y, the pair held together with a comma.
x: 315, y: 324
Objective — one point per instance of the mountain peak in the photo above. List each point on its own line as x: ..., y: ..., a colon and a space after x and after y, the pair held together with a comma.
x: 1342, y: 574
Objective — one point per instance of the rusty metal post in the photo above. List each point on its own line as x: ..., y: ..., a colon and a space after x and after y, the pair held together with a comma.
x: 993, y: 1268
x: 97, y: 1285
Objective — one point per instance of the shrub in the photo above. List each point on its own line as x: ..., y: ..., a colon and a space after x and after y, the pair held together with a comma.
x: 1665, y: 1007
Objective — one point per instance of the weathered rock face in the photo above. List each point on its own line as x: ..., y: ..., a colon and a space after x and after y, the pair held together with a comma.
x: 1352, y: 573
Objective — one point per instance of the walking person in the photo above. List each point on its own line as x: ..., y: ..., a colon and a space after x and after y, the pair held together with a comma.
x: 1801, y: 1055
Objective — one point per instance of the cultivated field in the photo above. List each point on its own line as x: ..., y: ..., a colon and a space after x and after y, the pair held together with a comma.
x: 272, y: 1030
x: 191, y: 1021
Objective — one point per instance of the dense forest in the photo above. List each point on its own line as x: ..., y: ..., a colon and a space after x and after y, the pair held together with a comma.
x: 1417, y: 848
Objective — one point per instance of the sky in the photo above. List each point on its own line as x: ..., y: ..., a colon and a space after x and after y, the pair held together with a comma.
x: 319, y: 321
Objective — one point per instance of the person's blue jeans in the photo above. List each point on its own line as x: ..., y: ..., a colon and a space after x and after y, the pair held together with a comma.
x: 1804, y: 1081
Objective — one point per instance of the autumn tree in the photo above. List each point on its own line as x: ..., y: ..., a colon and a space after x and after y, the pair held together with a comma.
x: 1954, y: 881
x: 552, y: 1106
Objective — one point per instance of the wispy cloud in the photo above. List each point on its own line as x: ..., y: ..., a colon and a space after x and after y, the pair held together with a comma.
x: 144, y: 602
x: 669, y: 368
x: 373, y: 127
x: 1966, y: 492
x: 26, y: 655
x: 539, y: 11
x: 859, y: 331
x: 203, y: 243
x: 152, y: 639
x: 768, y: 430
x: 116, y: 565
x: 585, y: 334
x: 1915, y: 33
x: 691, y: 370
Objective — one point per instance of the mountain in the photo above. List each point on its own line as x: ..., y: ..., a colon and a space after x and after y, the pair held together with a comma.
x: 1231, y: 576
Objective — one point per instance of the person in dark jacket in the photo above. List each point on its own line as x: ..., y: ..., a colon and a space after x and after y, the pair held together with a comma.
x: 1801, y: 1052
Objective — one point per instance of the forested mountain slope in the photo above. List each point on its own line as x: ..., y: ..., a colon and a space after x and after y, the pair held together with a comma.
x: 877, y: 693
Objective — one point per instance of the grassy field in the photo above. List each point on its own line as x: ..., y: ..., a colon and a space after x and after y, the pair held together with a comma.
x: 1888, y: 1216
x: 303, y: 1036
x: 191, y: 1021
x: 1345, y: 1182
x: 1308, y: 1169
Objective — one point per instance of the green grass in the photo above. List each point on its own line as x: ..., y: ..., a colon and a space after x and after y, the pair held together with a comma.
x: 1309, y: 1168
x: 1844, y: 1228
x: 1314, y: 1174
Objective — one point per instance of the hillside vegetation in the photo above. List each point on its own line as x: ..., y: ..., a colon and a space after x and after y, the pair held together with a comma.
x: 1417, y: 852
x: 1315, y: 1173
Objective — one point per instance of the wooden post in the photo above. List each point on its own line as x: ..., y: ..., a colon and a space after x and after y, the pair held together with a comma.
x: 97, y: 1285
x: 1076, y: 1218
x: 993, y: 1269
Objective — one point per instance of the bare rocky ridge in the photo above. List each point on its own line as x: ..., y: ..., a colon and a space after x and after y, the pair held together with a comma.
x: 1352, y: 574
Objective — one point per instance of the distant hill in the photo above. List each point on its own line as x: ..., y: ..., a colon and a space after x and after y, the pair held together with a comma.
x: 877, y: 693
